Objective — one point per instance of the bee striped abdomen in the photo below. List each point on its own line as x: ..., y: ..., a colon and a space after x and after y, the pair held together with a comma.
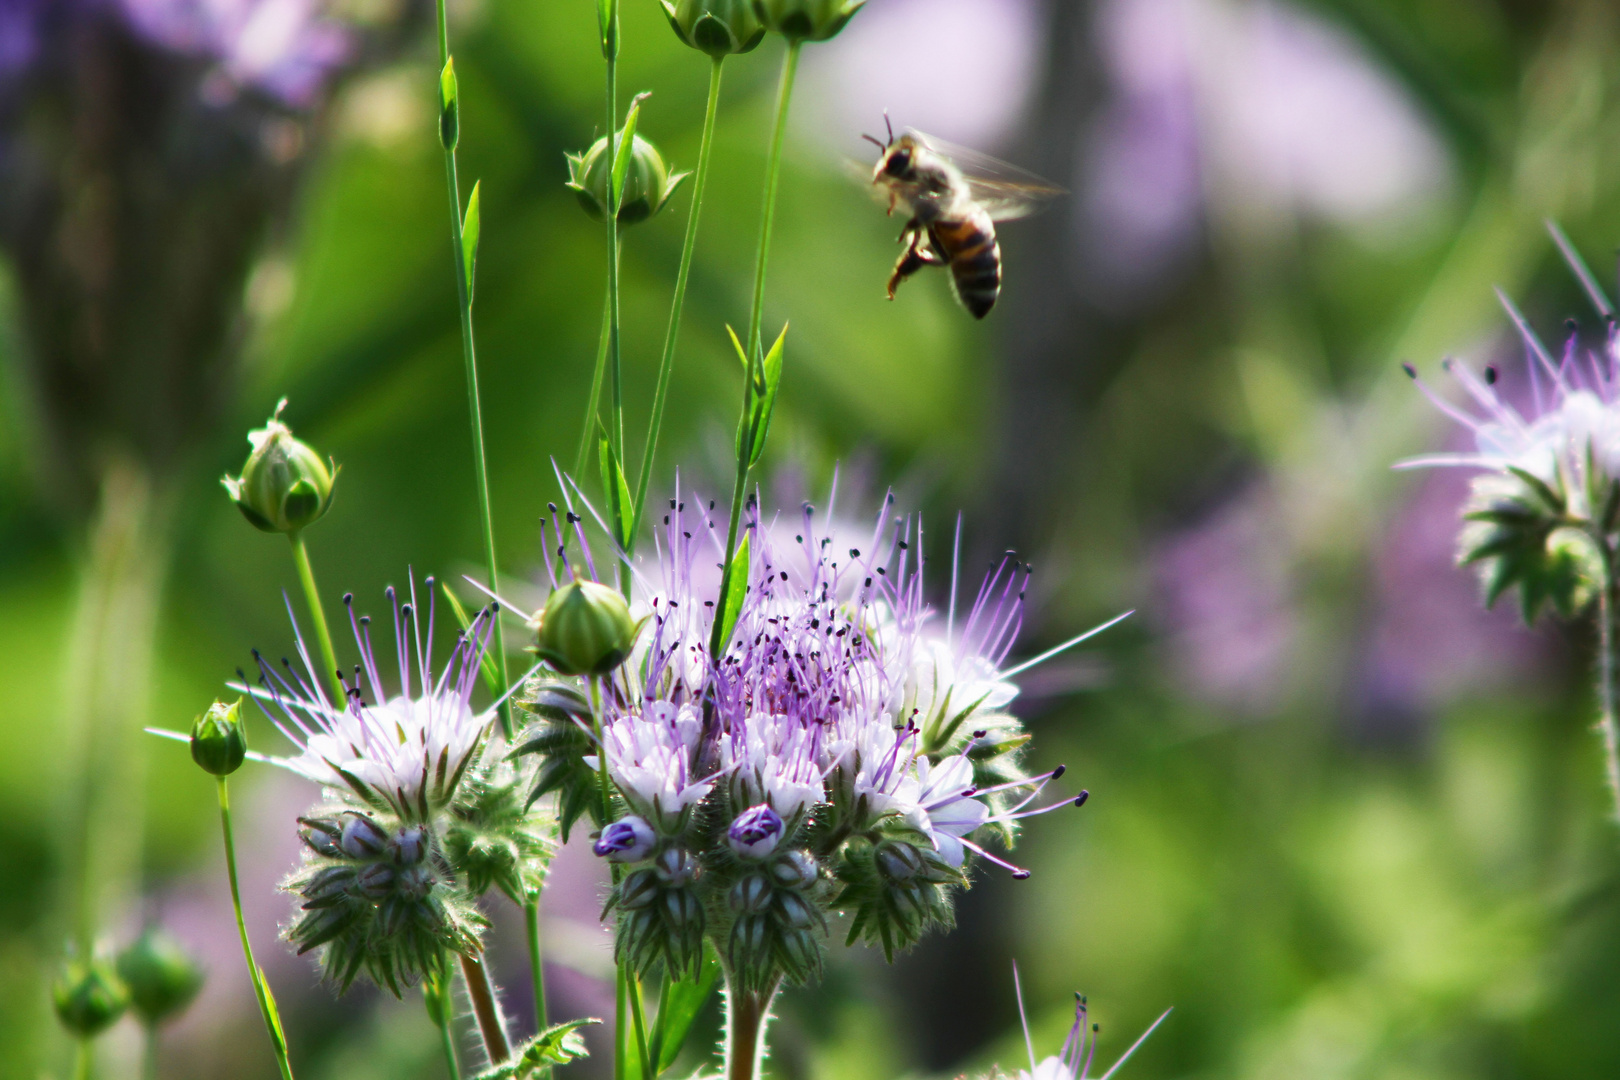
x: 969, y: 245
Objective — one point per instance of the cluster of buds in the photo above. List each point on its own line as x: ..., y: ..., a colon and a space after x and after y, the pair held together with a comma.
x: 420, y: 821
x: 1544, y: 511
x: 380, y: 894
x: 840, y: 754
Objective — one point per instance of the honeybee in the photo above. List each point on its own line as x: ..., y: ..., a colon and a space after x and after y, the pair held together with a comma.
x: 955, y: 197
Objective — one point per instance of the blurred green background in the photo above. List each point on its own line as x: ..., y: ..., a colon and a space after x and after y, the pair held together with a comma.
x: 1347, y: 823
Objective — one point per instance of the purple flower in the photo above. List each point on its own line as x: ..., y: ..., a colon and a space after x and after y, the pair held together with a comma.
x: 755, y: 832
x: 409, y: 750
x: 630, y: 839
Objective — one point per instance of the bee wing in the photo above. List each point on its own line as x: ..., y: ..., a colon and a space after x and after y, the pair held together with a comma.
x: 1005, y: 191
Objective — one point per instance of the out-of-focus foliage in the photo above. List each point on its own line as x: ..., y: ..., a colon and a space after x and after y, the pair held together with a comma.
x: 1345, y: 821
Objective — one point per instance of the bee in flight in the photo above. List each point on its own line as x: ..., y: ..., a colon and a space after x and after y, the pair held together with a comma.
x: 955, y: 197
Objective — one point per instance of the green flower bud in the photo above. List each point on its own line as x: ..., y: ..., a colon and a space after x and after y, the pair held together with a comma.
x: 285, y: 485
x: 585, y: 629
x: 806, y: 20
x: 716, y: 27
x: 161, y: 976
x: 218, y: 740
x: 89, y: 997
x: 648, y: 184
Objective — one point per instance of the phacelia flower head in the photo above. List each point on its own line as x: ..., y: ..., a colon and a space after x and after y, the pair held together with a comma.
x: 847, y: 748
x: 1547, y: 497
x: 406, y: 751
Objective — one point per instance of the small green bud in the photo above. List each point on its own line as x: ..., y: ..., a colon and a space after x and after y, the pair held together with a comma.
x: 218, y: 739
x: 585, y: 629
x: 716, y: 27
x: 648, y: 184
x: 161, y: 975
x: 806, y: 20
x: 449, y: 106
x: 89, y: 997
x: 285, y: 485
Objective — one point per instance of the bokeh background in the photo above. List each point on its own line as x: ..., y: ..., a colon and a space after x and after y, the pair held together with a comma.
x: 1346, y: 822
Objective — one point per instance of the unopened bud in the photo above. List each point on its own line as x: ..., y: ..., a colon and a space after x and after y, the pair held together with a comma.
x: 751, y: 895
x: 627, y: 840
x: 327, y: 888
x: 716, y: 27
x: 89, y: 997
x: 794, y: 911
x: 218, y: 740
x: 409, y: 846
x: 362, y: 838
x: 898, y: 862
x: 638, y: 890
x: 285, y: 485
x: 794, y: 870
x: 806, y: 20
x: 675, y: 868
x: 161, y: 976
x: 648, y: 184
x: 322, y: 835
x: 376, y: 881
x: 414, y: 882
x: 755, y: 832
x: 585, y: 629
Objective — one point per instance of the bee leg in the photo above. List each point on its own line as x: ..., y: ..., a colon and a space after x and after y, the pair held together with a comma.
x: 916, y: 256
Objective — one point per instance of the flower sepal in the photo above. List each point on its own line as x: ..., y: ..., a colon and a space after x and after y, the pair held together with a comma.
x: 1516, y: 534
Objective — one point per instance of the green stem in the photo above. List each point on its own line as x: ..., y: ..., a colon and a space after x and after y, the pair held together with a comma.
x: 440, y: 989
x: 748, y: 1014
x: 1608, y: 672
x: 491, y: 1024
x: 615, y: 373
x: 83, y: 1059
x: 149, y: 1051
x: 649, y: 1070
x: 588, y: 428
x: 475, y: 410
x: 323, y: 634
x: 666, y: 364
x: 619, y: 1013
x: 261, y: 991
x: 537, y: 972
x: 773, y: 170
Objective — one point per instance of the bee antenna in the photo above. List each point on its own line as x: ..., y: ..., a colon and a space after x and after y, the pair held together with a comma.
x: 888, y: 125
x: 875, y: 142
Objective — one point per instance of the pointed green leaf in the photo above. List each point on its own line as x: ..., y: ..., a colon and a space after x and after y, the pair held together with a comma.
x: 272, y: 1015
x: 736, y: 589
x: 770, y: 378
x: 742, y: 354
x: 620, y: 505
x: 678, y: 1010
x: 487, y: 667
x: 469, y: 240
x: 449, y: 106
x: 626, y: 143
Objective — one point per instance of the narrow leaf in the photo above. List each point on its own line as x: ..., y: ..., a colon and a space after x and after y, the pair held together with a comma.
x: 678, y: 1010
x: 469, y: 240
x: 449, y: 106
x: 742, y: 354
x: 622, y: 152
x: 272, y: 1014
x: 617, y: 485
x: 770, y: 380
x: 736, y: 590
x: 487, y: 667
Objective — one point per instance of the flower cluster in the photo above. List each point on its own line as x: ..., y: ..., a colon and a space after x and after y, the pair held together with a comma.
x: 845, y: 750
x: 418, y: 822
x: 1548, y: 495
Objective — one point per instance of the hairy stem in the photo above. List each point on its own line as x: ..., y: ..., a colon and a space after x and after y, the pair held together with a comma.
x: 272, y: 1023
x: 1608, y: 672
x: 486, y: 1010
x: 317, y: 613
x: 475, y: 410
x: 531, y: 923
x: 748, y: 1014
x: 666, y: 363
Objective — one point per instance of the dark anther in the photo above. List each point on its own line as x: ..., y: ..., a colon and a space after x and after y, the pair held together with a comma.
x: 854, y: 553
x: 1059, y: 771
x: 552, y: 507
x: 1080, y: 799
x: 1411, y: 372
x: 1490, y: 374
x: 348, y: 598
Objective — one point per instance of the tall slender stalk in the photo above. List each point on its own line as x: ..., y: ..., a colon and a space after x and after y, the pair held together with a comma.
x: 588, y: 428
x: 615, y: 366
x: 486, y: 1010
x: 748, y: 1014
x: 666, y: 363
x: 531, y: 922
x: 261, y: 991
x: 323, y: 635
x: 1608, y: 673
x: 773, y: 170
x: 474, y: 408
